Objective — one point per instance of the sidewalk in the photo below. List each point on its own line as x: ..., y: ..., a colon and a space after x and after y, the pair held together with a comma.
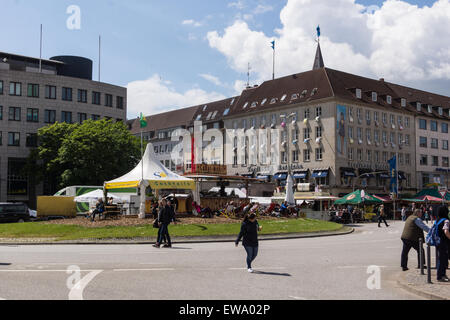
x: 177, y: 240
x: 417, y: 284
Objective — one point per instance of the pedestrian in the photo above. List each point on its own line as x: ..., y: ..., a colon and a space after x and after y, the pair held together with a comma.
x: 403, y: 213
x: 165, y: 217
x: 249, y: 233
x: 382, y: 216
x: 442, y: 248
x: 427, y: 217
x: 412, y: 233
x: 99, y: 209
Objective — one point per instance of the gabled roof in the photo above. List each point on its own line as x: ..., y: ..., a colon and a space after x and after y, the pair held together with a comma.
x: 214, y: 111
x: 318, y: 60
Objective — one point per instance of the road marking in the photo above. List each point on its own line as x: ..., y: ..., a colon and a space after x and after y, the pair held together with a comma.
x: 297, y: 298
x: 76, y: 293
x: 154, y: 269
x: 260, y: 268
x: 29, y: 270
x: 357, y: 267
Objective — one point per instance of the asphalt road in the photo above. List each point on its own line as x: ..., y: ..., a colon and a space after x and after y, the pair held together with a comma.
x: 317, y: 268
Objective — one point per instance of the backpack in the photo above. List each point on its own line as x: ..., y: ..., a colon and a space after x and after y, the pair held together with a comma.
x: 433, y: 238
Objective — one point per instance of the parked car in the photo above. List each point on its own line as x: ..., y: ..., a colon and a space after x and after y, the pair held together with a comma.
x: 14, y: 212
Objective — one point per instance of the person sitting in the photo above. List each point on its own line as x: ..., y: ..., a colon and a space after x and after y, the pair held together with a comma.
x: 196, y: 209
x: 206, y: 213
x: 284, y: 208
x: 230, y: 208
x: 99, y: 209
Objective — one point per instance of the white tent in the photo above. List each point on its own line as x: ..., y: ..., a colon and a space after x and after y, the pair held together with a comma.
x: 97, y: 194
x: 238, y: 192
x: 150, y: 172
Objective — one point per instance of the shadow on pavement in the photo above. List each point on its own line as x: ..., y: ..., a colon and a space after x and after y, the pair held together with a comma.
x: 5, y: 264
x: 272, y: 273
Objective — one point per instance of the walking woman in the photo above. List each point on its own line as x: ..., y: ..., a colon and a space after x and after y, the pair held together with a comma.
x: 249, y: 231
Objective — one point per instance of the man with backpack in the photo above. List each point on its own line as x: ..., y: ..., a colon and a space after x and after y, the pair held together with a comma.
x: 440, y: 235
x: 412, y: 233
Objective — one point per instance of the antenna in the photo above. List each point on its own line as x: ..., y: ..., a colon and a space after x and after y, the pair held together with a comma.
x: 40, y: 53
x: 99, y: 55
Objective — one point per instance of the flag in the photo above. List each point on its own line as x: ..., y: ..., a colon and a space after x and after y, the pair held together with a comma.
x: 393, y: 174
x: 318, y: 31
x: 143, y: 121
x: 273, y: 45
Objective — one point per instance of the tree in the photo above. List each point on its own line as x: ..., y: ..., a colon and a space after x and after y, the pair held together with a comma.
x: 86, y: 154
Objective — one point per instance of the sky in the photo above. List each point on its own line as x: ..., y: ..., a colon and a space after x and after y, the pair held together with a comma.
x: 177, y: 53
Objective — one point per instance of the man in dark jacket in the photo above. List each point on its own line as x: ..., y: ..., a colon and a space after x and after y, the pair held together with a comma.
x: 165, y: 217
x: 412, y: 233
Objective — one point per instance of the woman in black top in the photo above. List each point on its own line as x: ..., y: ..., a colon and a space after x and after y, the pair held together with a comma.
x: 442, y: 248
x: 249, y: 231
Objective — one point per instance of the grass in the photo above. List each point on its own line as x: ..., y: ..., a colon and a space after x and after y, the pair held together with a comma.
x: 72, y: 232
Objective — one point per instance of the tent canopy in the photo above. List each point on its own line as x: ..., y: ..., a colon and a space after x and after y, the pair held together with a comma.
x: 356, y: 198
x: 97, y: 194
x: 151, y: 170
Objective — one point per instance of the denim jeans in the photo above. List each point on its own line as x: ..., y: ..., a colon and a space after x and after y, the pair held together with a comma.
x: 252, y: 253
x: 164, y: 232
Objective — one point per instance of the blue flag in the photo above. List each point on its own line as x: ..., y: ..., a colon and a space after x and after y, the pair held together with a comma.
x: 393, y: 174
x: 318, y: 31
x: 273, y: 45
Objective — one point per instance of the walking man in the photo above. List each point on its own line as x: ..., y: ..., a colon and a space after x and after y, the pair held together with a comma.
x: 382, y: 216
x: 412, y: 233
x: 165, y: 217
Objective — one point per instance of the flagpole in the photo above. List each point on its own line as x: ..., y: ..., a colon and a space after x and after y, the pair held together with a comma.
x: 273, y: 73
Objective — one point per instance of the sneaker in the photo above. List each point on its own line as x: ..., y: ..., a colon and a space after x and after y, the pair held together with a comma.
x: 443, y: 280
x: 250, y: 270
x: 156, y: 246
x: 167, y: 246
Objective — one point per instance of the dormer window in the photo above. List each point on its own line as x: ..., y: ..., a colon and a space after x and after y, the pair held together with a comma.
x: 403, y: 102
x: 284, y: 97
x: 430, y: 108
x: 226, y: 112
x: 273, y: 101
x: 232, y: 101
x: 419, y: 106
x: 214, y: 115
x: 294, y: 96
x: 254, y: 105
x: 304, y: 92
x: 389, y: 99
x: 264, y: 101
x: 199, y: 117
x: 441, y: 111
x: 314, y: 91
x: 205, y: 107
x: 374, y: 97
x: 209, y: 116
x: 245, y: 105
x: 358, y: 93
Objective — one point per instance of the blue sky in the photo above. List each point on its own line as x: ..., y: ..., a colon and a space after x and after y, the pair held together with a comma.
x: 144, y: 38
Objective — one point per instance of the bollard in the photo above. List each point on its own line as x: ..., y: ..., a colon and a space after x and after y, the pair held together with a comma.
x: 429, y: 263
x: 421, y: 257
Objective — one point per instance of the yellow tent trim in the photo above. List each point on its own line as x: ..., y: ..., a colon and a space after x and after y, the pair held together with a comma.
x: 154, y: 184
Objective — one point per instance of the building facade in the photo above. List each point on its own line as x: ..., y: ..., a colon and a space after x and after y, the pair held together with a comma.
x: 35, y: 93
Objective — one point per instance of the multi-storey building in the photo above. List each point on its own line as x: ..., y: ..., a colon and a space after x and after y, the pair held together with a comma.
x: 35, y: 93
x: 333, y: 131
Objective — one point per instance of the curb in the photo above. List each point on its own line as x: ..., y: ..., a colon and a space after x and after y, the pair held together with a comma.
x: 184, y: 240
x: 424, y: 294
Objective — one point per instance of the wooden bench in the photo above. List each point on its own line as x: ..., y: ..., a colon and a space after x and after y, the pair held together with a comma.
x: 111, y: 211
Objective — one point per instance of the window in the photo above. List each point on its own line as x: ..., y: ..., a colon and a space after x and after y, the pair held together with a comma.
x: 385, y: 156
x: 418, y: 106
x: 400, y: 139
x: 392, y: 138
x: 423, y: 142
x: 441, y: 111
x: 1, y: 112
x: 374, y: 96
x: 318, y: 112
x: 245, y: 105
x: 1, y: 86
x: 283, y: 97
x: 376, y: 136
x: 274, y: 119
x: 389, y: 99
x: 359, y: 135
x: 264, y: 101
x: 307, y: 133
x: 407, y: 122
x: 384, y: 136
x: 319, y: 154
x: 369, y: 135
x: 407, y: 159
x: 434, y: 143
x: 32, y: 140
x: 50, y: 116
x: 307, y: 113
x: 377, y: 156
x: 430, y: 108
x: 358, y: 115
x: 444, y: 127
x: 403, y: 102
x: 32, y: 115
x: 433, y: 126
x: 423, y: 160
x: 376, y: 118
x: 33, y: 90
x: 358, y: 93
x: 226, y: 112
x: 368, y: 118
x: 66, y: 116
x: 96, y: 98
x: 108, y: 100
x: 359, y: 155
x: 15, y: 88
x: 435, y: 161
x: 295, y: 156
x: 82, y: 96
x: 14, y: 114
x: 350, y: 154
x: 319, y: 132
x: 444, y: 144
x: 120, y: 103
x: 66, y: 94
x: 423, y: 124
x: 369, y: 155
x: 350, y: 132
x: 14, y: 139
x: 306, y: 155
x: 384, y: 118
x: 392, y: 117
x: 82, y: 117
x: 445, y: 162
x: 401, y: 159
x: 50, y: 92
x: 283, y: 157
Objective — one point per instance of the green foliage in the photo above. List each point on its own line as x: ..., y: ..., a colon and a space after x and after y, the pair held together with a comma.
x: 85, y: 154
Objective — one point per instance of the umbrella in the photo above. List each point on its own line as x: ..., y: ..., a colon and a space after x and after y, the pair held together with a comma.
x: 358, y: 197
x: 425, y: 199
x: 290, y: 190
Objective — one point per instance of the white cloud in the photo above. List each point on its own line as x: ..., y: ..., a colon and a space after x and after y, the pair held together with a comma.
x: 238, y: 4
x: 191, y: 22
x: 262, y: 8
x: 211, y: 78
x: 154, y: 96
x: 398, y: 41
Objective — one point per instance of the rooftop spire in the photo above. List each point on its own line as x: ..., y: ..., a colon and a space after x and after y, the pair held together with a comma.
x: 318, y: 60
